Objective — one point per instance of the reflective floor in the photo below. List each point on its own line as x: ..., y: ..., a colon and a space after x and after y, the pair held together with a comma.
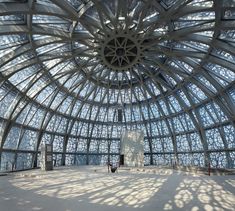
x: 93, y: 188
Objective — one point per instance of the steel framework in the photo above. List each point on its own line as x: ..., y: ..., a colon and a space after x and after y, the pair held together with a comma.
x: 68, y: 66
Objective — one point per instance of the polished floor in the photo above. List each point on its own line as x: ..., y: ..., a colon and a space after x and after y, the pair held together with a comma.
x: 91, y: 188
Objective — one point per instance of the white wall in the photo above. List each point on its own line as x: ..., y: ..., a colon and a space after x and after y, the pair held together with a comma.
x: 132, y: 146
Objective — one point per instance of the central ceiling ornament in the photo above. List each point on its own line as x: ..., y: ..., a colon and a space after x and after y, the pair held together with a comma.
x: 121, y: 51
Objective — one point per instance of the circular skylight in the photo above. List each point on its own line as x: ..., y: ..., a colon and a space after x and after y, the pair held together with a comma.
x: 120, y: 53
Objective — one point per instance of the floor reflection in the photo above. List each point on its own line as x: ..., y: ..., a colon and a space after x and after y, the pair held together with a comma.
x: 205, y: 191
x: 145, y: 189
x: 123, y: 188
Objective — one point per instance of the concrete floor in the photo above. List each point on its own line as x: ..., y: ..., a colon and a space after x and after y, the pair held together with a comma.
x: 92, y: 188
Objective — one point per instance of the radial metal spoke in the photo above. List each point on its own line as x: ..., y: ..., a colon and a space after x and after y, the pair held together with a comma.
x: 122, y: 10
x: 104, y: 10
x: 67, y: 67
x: 66, y: 7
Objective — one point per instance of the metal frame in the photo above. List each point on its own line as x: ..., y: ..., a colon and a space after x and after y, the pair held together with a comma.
x: 54, y: 52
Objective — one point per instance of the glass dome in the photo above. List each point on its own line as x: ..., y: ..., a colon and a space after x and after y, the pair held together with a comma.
x: 76, y: 73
